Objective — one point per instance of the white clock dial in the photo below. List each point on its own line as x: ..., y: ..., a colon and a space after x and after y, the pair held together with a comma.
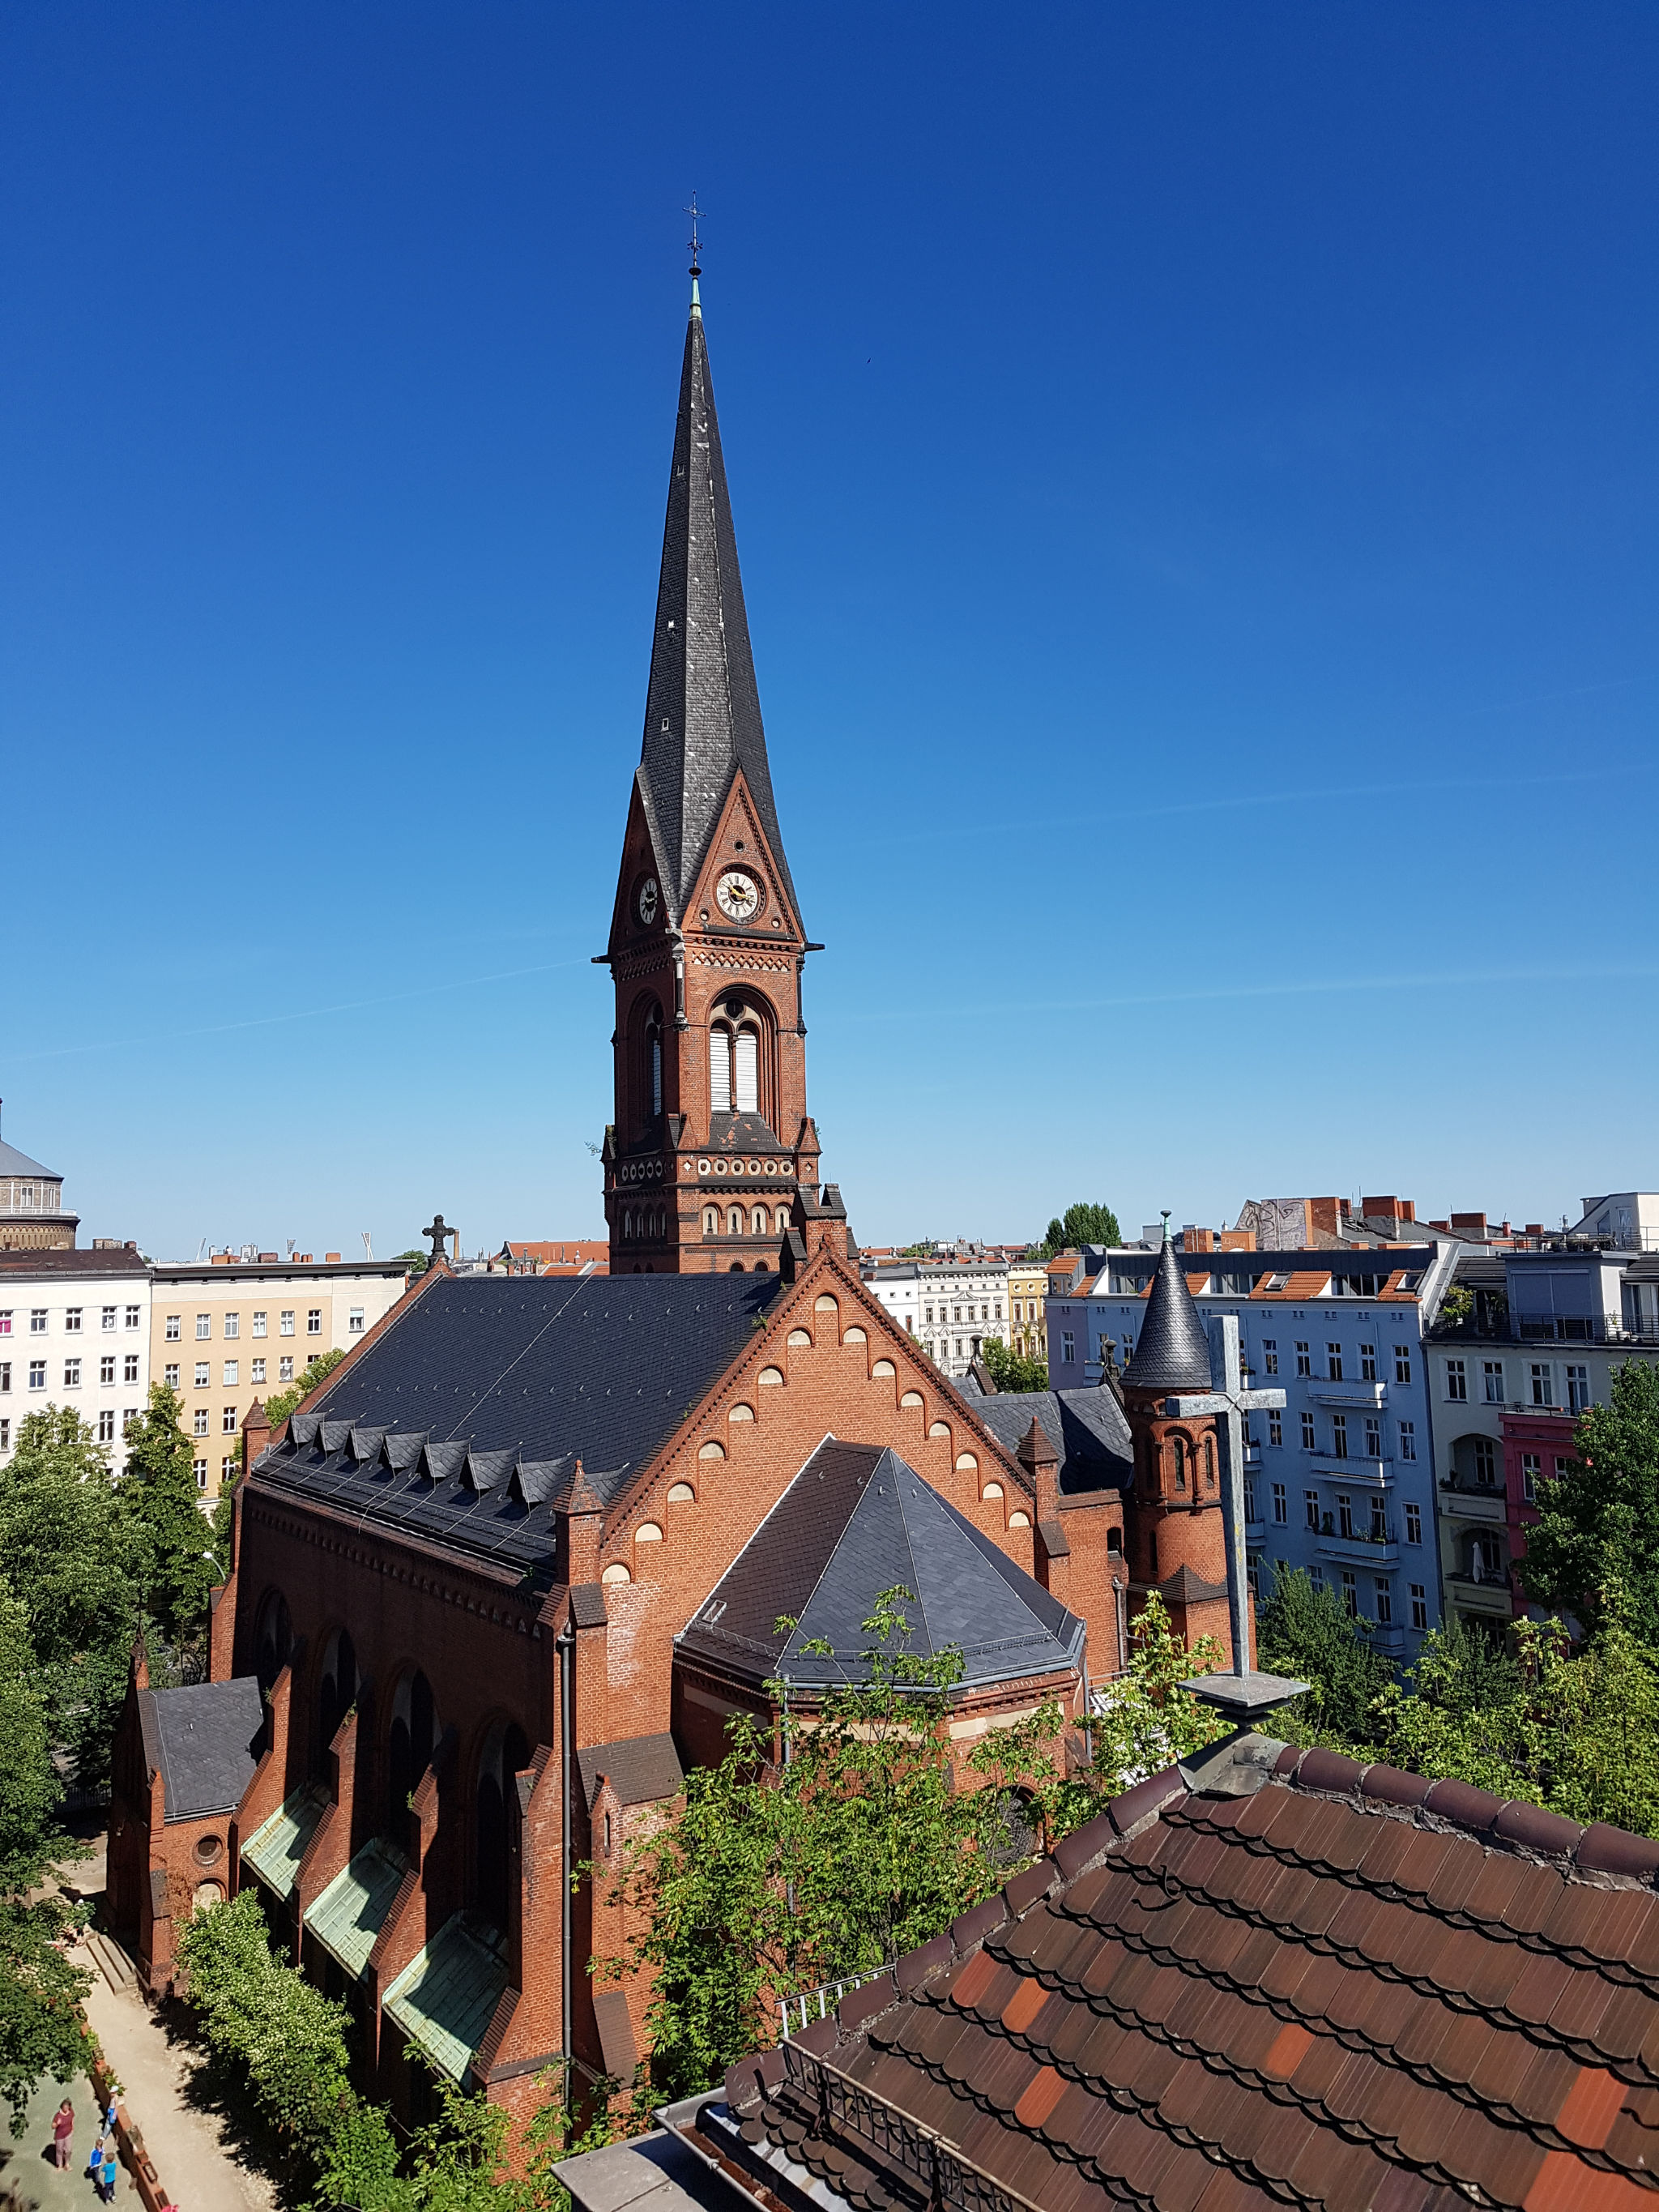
x: 648, y: 900
x: 739, y: 895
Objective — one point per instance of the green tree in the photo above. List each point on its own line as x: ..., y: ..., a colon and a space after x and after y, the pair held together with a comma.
x: 1303, y: 1630
x: 1012, y: 1371
x: 1081, y: 1223
x: 1598, y: 1524
x: 282, y: 1403
x: 415, y: 1260
x: 171, y: 1535
x: 40, y: 1992
x: 70, y: 1560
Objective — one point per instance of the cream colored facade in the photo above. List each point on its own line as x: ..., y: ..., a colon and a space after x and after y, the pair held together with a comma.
x: 1027, y: 1329
x: 223, y: 1335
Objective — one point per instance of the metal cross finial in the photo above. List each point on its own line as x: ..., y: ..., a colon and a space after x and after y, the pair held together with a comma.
x: 695, y: 241
x: 1229, y: 1401
x: 438, y: 1230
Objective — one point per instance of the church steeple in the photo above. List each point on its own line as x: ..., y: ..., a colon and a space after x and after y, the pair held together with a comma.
x: 711, y: 1139
x: 702, y: 716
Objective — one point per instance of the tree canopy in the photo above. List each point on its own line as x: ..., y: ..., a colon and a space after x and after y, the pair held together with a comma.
x: 1081, y: 1223
x: 1597, y: 1532
x: 1012, y: 1371
x: 171, y: 1538
x: 282, y: 1403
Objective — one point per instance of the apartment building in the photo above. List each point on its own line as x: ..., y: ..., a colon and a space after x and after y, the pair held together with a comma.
x: 222, y: 1333
x: 1543, y: 1335
x: 1341, y: 1482
x: 952, y: 1305
x: 74, y: 1331
x: 1028, y: 1291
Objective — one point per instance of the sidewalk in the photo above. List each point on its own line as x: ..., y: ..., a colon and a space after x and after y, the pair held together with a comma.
x: 198, y: 2165
x: 41, y: 2182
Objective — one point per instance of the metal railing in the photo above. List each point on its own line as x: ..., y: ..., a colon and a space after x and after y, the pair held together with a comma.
x: 795, y: 2012
x: 953, y: 2183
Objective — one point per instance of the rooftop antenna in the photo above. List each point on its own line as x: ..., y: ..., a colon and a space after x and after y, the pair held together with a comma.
x: 694, y: 245
x: 291, y: 1242
x: 201, y: 1250
x: 368, y: 1248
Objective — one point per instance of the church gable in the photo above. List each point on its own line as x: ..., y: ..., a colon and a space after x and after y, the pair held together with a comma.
x: 738, y: 883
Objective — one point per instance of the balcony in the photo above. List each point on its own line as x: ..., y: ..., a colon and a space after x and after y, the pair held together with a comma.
x: 1475, y: 1501
x: 1359, y: 1397
x: 1358, y: 1550
x: 1490, y: 1595
x: 1372, y: 1473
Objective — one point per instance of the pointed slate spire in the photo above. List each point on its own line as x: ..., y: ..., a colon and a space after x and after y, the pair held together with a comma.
x: 1173, y: 1351
x: 703, y: 717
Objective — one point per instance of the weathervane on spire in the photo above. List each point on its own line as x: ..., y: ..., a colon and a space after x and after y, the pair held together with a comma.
x: 695, y: 241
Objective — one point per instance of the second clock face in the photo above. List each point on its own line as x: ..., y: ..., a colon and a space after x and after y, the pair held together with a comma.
x: 737, y: 895
x: 648, y: 900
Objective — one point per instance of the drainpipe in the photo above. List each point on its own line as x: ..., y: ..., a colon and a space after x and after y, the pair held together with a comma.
x: 565, y: 1645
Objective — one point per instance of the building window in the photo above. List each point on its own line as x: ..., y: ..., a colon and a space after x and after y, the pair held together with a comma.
x: 129, y: 1367
x: 172, y: 1331
x: 170, y: 1376
x: 5, y: 1435
x: 1350, y: 1593
x: 1419, y: 1606
x: 1275, y: 1426
x: 1578, y: 1389
x: 1379, y: 1520
x: 1403, y: 1363
x: 734, y: 1221
x: 1308, y: 1432
x: 37, y: 1373
x: 285, y: 1326
x: 106, y: 1368
x: 720, y: 1070
x: 1281, y: 1504
x: 201, y: 1420
x: 1529, y: 1477
x: 233, y: 1324
x: 5, y: 1375
x: 72, y: 1321
x: 1373, y: 1437
x: 259, y: 1324
x: 71, y: 1374
x: 1384, y: 1602
x: 106, y: 1425
x: 1408, y: 1440
x: 5, y: 1323
x: 1338, y: 1436
x: 711, y: 1221
x: 1343, y: 1516
x: 108, y: 1319
x: 927, y: 1317
x: 229, y: 1468
x: 1334, y: 1362
x: 231, y: 1376
x: 1068, y: 1347
x: 132, y: 1316
x: 201, y: 1474
x: 1457, y: 1383
x: 1368, y: 1363
x: 1269, y: 1356
x: 1413, y: 1522
x: 354, y: 1317
x: 1303, y: 1358
x: 1543, y: 1383
x: 202, y: 1375
x: 257, y: 1372
x: 315, y: 1321
x: 203, y: 1325
x: 1310, y: 1508
x: 1492, y: 1379
x: 228, y: 1421
x: 1485, y: 1462
x: 285, y: 1369
x: 37, y: 1321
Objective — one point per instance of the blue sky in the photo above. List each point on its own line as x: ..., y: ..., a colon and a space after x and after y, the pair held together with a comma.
x: 1195, y: 469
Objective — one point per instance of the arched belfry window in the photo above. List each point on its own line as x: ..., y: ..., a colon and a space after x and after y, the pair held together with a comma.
x: 740, y: 1057
x: 720, y: 1069
x: 1181, y: 1463
x: 746, y: 1069
x: 654, y: 1062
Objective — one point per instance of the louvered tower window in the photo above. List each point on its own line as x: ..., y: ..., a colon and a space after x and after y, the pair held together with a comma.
x: 748, y: 1072
x: 720, y: 1070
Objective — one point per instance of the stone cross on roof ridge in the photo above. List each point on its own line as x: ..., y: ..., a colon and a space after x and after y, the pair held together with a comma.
x: 1228, y: 1401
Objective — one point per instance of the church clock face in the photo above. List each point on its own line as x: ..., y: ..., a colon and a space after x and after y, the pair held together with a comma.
x: 737, y: 895
x: 646, y: 903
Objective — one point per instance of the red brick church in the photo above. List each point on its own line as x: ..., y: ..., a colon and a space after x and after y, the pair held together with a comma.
x: 511, y: 1568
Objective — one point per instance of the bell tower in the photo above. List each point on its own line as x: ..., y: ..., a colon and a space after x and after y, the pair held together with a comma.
x: 711, y: 1139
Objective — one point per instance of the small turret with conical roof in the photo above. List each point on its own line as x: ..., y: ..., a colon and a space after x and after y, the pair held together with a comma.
x: 1172, y: 1352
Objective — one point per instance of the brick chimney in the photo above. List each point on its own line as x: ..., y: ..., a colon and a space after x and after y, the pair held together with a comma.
x: 1041, y: 1462
x: 821, y: 1219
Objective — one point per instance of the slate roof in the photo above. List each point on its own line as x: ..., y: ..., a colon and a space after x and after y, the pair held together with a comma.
x: 1087, y: 1428
x: 703, y: 716
x: 854, y: 1521
x: 1172, y: 1352
x: 642, y: 1769
x: 14, y: 1162
x: 464, y: 1422
x: 72, y: 1260
x: 202, y: 1739
x: 1352, y: 1990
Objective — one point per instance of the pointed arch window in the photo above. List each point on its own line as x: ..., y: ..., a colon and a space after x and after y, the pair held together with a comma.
x: 720, y: 1070
x: 1181, y: 1463
x: 746, y: 1072
x: 654, y: 1062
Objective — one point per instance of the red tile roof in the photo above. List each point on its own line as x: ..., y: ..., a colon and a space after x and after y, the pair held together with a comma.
x: 1353, y: 1989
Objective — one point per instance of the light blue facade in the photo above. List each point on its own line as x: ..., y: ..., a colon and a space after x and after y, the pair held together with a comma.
x: 1342, y: 1482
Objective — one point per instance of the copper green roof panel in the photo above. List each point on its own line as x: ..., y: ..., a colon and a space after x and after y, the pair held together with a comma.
x: 444, y: 1999
x: 351, y: 1911
x: 275, y: 1850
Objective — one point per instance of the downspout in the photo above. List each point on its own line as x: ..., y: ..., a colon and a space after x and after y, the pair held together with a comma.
x: 565, y: 1645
